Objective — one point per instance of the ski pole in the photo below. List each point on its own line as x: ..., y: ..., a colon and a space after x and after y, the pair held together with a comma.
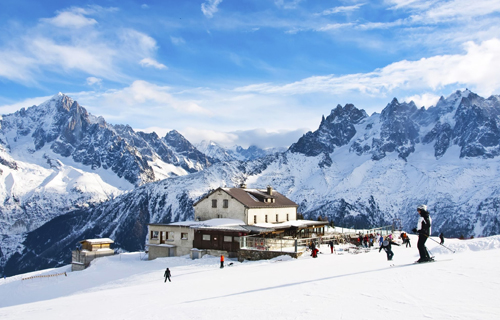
x: 441, y: 244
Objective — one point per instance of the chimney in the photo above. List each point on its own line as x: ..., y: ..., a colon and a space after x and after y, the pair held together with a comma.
x: 269, y: 190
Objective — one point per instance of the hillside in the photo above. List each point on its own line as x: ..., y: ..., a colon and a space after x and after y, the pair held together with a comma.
x: 363, y: 286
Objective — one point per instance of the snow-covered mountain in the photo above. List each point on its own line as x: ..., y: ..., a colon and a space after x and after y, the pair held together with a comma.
x: 216, y: 151
x: 57, y: 157
x: 357, y: 170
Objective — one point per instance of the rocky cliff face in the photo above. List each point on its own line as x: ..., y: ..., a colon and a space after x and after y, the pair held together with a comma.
x: 57, y: 157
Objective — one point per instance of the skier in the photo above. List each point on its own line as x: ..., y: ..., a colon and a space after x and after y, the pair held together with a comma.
x: 315, y: 253
x: 330, y: 244
x: 221, y: 261
x: 386, y: 245
x: 424, y: 230
x: 167, y: 275
x: 441, y: 236
x: 408, y: 241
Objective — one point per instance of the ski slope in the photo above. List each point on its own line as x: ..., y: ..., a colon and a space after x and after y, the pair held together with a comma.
x: 463, y: 285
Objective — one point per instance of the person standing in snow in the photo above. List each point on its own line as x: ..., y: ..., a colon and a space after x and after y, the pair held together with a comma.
x: 424, y: 230
x: 330, y: 244
x: 441, y: 237
x: 380, y: 240
x: 408, y: 241
x: 387, y: 246
x: 221, y: 261
x: 167, y: 275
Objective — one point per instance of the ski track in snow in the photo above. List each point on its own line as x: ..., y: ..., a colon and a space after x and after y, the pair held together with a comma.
x: 347, y: 286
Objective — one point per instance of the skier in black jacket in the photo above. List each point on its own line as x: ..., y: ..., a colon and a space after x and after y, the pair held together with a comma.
x: 167, y: 275
x: 424, y: 230
x: 386, y: 245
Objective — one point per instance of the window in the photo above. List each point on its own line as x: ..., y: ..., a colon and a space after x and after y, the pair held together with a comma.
x: 184, y: 236
x: 277, y: 218
x: 266, y: 217
x: 170, y: 236
x: 154, y: 234
x: 225, y: 203
x: 214, y: 203
x: 254, y: 219
x: 228, y: 239
x: 206, y: 237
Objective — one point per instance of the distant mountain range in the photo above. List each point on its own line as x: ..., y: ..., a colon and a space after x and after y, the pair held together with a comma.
x: 88, y: 179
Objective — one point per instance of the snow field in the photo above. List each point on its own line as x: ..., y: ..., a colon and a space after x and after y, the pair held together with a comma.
x: 348, y: 286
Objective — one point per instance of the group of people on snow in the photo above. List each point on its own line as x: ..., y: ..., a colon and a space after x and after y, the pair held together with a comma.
x: 423, y: 230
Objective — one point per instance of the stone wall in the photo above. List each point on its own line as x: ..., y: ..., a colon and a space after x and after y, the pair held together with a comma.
x: 253, y: 255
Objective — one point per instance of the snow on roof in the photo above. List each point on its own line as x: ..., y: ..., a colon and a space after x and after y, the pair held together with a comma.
x: 295, y: 223
x: 96, y: 241
x: 209, y: 223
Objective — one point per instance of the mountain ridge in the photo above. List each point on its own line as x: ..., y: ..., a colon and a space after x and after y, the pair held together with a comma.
x: 364, y: 171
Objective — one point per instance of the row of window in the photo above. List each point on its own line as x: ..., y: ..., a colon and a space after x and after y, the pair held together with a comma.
x: 155, y: 235
x: 225, y: 203
x: 208, y: 237
x: 267, y: 220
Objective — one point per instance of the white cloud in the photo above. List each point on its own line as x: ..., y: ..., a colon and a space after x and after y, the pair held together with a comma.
x: 144, y: 6
x: 71, y: 19
x: 137, y: 43
x: 196, y: 135
x: 412, y: 4
x: 423, y: 100
x: 96, y: 60
x: 259, y: 137
x: 341, y: 9
x: 477, y: 68
x: 148, y: 62
x: 287, y: 4
x: 141, y: 94
x: 440, y: 11
x: 89, y: 51
x: 177, y: 41
x: 94, y: 81
x: 335, y: 26
x: 209, y: 7
x: 462, y: 8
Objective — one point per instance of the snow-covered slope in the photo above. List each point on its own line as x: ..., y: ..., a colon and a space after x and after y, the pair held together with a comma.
x: 363, y: 286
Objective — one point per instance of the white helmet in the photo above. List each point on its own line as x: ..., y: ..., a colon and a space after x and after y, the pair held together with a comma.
x: 422, y: 207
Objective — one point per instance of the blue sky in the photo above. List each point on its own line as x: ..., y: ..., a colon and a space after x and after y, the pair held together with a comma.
x: 244, y: 72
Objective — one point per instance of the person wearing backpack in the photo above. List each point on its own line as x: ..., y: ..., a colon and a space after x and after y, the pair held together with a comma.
x: 387, y: 246
x: 424, y: 231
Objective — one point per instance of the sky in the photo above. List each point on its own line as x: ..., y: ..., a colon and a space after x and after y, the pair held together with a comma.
x: 242, y: 72
x: 462, y: 285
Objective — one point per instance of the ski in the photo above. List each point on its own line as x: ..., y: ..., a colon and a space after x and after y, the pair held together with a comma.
x: 416, y: 263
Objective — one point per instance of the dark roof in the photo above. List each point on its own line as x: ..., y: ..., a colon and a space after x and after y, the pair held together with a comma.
x: 255, y: 198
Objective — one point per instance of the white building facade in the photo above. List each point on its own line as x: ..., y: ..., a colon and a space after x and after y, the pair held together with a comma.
x: 252, y: 206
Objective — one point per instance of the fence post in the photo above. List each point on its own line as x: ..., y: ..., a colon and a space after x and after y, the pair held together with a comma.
x: 295, y: 245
